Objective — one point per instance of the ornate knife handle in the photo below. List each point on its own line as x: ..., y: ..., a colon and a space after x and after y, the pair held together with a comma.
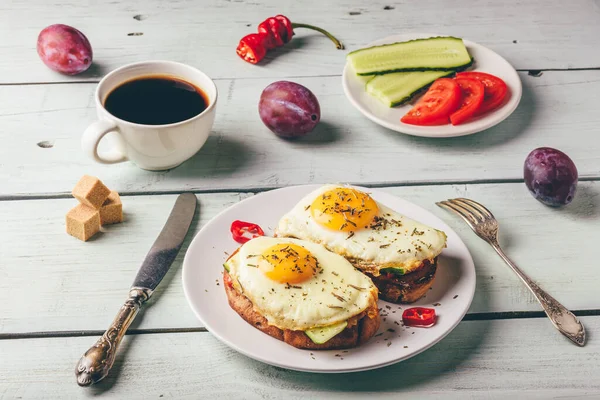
x: 98, y: 360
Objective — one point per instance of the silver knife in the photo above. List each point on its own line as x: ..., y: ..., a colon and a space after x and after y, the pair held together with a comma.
x: 98, y: 360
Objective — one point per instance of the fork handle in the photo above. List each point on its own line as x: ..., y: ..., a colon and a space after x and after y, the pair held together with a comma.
x: 564, y: 320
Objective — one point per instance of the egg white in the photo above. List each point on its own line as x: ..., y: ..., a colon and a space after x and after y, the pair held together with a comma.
x: 403, y: 242
x: 308, y: 304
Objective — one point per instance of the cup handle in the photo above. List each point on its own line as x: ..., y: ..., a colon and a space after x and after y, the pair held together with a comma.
x: 91, y: 139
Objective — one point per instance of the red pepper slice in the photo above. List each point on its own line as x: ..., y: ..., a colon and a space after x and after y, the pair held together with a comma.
x: 419, y: 316
x: 252, y: 48
x: 244, y: 231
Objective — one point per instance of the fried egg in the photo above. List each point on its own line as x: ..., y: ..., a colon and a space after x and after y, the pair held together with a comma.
x: 351, y: 223
x: 299, y: 285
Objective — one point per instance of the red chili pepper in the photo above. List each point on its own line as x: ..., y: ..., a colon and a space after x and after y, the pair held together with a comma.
x: 240, y: 231
x: 289, y: 27
x: 272, y: 33
x: 419, y: 316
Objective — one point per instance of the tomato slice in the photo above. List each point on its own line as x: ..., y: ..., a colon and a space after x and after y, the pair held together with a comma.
x: 436, y: 105
x: 495, y: 89
x: 472, y: 99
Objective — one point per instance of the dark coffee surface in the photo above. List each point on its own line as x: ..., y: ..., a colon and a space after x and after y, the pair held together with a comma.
x: 156, y: 101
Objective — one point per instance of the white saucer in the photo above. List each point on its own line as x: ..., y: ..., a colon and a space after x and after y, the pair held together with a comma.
x: 453, y: 289
x: 485, y: 61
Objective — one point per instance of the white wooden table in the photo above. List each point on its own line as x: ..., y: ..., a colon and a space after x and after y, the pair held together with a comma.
x: 58, y: 294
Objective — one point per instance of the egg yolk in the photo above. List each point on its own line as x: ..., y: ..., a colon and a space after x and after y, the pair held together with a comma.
x: 344, y: 209
x: 289, y: 263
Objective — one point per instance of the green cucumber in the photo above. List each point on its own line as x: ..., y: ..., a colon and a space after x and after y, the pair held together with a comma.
x: 395, y: 271
x: 323, y: 334
x: 399, y: 87
x: 442, y: 53
x: 226, y: 266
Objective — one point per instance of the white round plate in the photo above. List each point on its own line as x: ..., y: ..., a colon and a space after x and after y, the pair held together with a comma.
x: 453, y: 289
x: 485, y: 61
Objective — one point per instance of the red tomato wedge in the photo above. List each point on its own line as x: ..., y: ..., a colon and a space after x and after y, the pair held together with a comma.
x: 472, y: 99
x: 495, y: 89
x: 435, y: 107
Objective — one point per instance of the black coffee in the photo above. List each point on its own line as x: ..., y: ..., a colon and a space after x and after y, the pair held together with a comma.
x: 156, y: 100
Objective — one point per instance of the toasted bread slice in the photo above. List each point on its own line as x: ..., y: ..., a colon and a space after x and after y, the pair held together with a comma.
x: 359, y: 330
x: 406, y: 288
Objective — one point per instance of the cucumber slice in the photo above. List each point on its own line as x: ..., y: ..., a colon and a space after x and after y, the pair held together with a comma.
x: 441, y: 53
x: 395, y: 271
x: 325, y: 333
x: 399, y: 87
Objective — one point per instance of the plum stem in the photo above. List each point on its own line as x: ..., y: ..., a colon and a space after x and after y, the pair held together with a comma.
x: 339, y: 45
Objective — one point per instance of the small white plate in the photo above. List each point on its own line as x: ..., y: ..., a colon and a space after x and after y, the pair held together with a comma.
x: 485, y: 61
x: 453, y: 289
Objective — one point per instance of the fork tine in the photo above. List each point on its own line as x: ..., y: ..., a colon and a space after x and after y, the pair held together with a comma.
x: 460, y: 202
x: 480, y: 207
x: 460, y: 207
x: 469, y: 218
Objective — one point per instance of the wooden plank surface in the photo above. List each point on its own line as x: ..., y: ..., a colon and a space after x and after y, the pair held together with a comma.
x: 557, y: 110
x: 51, y: 277
x: 530, y: 34
x: 52, y: 282
x: 479, y: 359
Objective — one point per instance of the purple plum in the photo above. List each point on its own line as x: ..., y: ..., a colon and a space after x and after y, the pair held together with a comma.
x: 551, y: 176
x: 64, y: 49
x: 288, y: 109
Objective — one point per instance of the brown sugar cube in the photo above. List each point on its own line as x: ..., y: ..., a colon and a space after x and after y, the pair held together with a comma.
x: 91, y: 191
x: 111, y: 211
x: 83, y: 222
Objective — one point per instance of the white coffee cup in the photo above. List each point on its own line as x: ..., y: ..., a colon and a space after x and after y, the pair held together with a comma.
x: 151, y: 147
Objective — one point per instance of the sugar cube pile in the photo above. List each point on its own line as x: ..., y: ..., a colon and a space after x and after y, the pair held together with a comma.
x: 98, y: 205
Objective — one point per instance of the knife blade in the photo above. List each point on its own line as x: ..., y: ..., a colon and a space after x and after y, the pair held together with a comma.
x: 95, y: 364
x: 167, y: 244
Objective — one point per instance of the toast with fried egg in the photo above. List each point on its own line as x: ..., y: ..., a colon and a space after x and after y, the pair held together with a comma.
x: 359, y: 330
x: 301, y: 293
x: 398, y: 253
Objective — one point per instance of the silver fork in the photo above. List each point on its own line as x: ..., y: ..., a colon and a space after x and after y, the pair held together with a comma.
x: 484, y: 224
